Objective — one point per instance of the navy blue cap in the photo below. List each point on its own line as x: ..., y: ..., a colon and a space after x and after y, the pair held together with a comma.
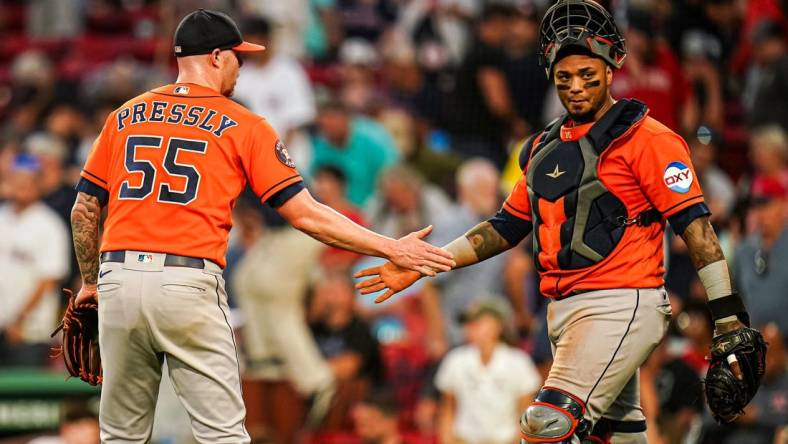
x: 203, y: 30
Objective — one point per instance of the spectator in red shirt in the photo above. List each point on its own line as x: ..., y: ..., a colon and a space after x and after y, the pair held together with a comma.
x: 328, y: 186
x: 652, y: 74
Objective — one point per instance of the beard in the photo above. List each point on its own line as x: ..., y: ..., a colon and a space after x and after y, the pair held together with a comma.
x: 587, y: 114
x: 593, y: 98
x: 229, y: 88
x: 228, y: 91
x: 583, y: 117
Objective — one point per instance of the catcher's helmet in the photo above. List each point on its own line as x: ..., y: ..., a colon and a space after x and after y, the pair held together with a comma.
x: 579, y: 23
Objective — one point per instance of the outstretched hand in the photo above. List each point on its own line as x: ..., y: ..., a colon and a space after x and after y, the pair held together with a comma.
x: 412, y: 253
x: 389, y: 277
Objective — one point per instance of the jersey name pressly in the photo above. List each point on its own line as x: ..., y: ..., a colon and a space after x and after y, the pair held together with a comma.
x: 173, y: 161
x: 199, y: 117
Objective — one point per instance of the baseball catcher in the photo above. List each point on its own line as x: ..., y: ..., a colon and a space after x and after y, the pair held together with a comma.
x: 598, y: 186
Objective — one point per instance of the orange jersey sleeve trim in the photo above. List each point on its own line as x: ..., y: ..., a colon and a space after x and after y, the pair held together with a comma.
x: 279, y: 186
x: 93, y: 178
x: 516, y: 212
x: 681, y: 205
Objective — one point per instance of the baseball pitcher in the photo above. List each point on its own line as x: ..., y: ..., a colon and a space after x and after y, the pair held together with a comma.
x: 168, y: 166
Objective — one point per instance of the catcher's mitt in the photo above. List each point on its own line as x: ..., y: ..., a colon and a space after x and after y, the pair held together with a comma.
x: 80, y: 347
x: 725, y: 394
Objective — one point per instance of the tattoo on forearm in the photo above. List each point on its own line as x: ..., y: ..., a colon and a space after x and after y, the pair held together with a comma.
x: 85, y: 216
x: 702, y: 243
x: 486, y: 241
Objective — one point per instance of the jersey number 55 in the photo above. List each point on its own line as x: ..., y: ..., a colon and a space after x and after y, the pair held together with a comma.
x: 171, y: 166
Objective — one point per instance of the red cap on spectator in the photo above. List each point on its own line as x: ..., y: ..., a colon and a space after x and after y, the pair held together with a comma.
x: 765, y: 189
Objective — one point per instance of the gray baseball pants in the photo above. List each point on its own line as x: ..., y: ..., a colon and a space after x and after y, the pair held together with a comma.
x: 599, y: 340
x: 149, y: 313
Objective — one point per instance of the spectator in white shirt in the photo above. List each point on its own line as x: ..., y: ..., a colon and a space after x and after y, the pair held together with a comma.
x: 33, y: 259
x: 274, y: 85
x: 486, y: 383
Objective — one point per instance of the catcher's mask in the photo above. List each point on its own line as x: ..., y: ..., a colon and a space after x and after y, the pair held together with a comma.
x: 582, y: 25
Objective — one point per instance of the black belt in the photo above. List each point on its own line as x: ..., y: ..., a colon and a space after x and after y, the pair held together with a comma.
x: 170, y: 260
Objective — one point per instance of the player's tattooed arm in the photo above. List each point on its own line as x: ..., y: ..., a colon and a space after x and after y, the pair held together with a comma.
x: 85, y: 217
x: 702, y: 243
x: 485, y: 241
x: 328, y: 226
x: 708, y: 259
x: 480, y: 243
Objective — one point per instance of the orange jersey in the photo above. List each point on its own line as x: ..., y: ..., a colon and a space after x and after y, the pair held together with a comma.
x: 647, y: 168
x: 173, y: 161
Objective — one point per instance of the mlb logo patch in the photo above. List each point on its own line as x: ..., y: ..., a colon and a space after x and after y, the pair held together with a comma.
x: 145, y: 258
x: 678, y: 177
x: 181, y: 90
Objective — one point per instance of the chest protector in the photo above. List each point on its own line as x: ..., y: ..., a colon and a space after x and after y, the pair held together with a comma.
x: 562, y: 180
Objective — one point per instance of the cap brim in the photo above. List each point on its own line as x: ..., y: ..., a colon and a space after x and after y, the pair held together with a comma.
x: 248, y: 47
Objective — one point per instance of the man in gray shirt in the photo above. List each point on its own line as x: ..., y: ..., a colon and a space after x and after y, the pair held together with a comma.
x: 477, y: 196
x: 760, y: 266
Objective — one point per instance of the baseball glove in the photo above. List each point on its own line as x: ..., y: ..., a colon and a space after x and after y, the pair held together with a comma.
x: 725, y: 394
x: 80, y: 347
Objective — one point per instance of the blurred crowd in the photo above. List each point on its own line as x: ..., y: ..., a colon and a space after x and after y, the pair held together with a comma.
x: 402, y: 114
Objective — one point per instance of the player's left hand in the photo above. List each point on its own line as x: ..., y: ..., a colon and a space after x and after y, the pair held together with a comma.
x: 412, y: 253
x: 738, y: 362
x: 387, y: 277
x: 727, y: 327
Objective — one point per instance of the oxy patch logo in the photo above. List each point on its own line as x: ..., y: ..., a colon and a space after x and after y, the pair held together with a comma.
x: 678, y: 177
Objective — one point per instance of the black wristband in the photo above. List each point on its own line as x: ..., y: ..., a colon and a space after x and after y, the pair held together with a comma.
x: 729, y: 306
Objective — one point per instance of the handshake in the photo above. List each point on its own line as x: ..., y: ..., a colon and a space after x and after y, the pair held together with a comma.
x: 412, y: 259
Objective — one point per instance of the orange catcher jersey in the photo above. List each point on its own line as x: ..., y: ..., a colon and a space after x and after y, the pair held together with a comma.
x: 648, y: 168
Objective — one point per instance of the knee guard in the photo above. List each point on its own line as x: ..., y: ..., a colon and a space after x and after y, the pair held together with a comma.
x: 555, y: 416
